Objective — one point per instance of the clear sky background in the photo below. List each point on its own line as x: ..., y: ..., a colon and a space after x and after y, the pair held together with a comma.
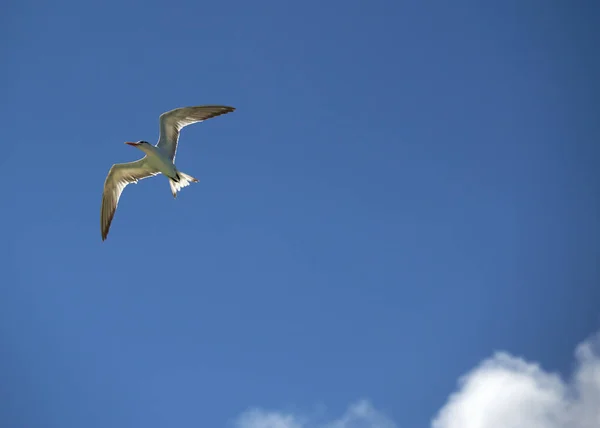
x: 404, y: 189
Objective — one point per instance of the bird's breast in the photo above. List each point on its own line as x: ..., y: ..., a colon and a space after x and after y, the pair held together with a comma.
x: 162, y: 163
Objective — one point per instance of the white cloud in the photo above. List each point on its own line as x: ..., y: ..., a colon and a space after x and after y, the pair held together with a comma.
x: 257, y: 418
x: 509, y: 392
x: 359, y: 415
x: 502, y: 392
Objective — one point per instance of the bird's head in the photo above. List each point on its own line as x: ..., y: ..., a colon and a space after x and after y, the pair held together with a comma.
x: 140, y: 144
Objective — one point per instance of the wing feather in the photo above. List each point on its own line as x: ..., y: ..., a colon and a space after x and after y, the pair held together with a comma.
x: 173, y: 121
x: 119, y: 176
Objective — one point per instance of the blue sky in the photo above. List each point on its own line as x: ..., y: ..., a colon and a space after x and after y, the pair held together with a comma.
x: 404, y: 189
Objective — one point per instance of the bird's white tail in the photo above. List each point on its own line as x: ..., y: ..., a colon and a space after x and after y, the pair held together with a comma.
x: 184, y: 181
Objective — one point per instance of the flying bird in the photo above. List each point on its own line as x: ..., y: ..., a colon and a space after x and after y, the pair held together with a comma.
x: 159, y: 159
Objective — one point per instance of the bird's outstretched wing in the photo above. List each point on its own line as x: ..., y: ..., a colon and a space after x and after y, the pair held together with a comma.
x: 119, y: 176
x: 173, y: 121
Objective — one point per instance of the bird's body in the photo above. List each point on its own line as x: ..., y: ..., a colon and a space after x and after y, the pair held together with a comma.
x: 159, y: 159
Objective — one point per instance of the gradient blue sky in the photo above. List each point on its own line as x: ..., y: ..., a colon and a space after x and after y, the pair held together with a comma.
x: 405, y: 188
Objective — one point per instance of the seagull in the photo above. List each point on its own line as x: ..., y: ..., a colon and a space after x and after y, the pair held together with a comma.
x: 159, y: 159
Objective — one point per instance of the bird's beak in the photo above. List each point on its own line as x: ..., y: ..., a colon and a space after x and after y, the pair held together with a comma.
x: 131, y: 143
